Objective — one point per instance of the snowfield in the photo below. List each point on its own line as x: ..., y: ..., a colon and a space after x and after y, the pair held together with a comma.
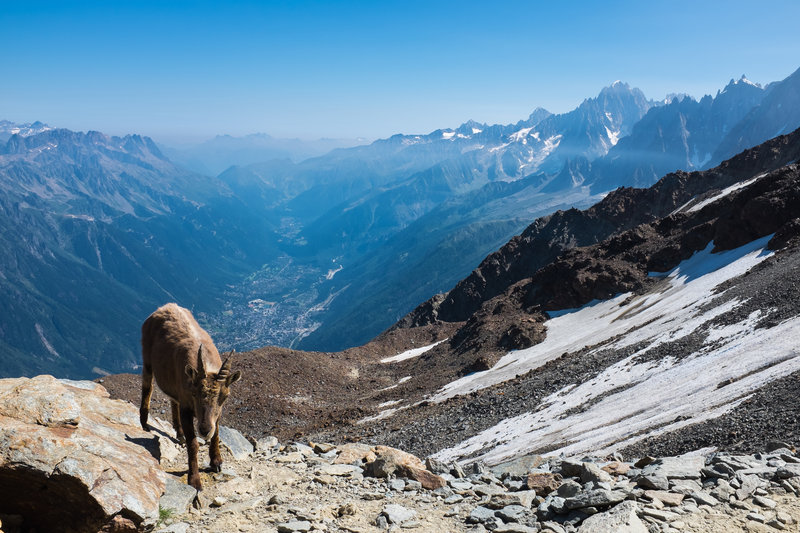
x: 636, y: 397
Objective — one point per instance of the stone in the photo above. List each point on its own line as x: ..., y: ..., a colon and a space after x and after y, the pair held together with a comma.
x: 754, y: 516
x: 511, y: 513
x: 322, y: 448
x: 337, y: 470
x: 177, y: 496
x: 523, y: 498
x: 704, y: 498
x: 218, y: 501
x: 555, y: 527
x: 235, y: 442
x: 749, y: 483
x: 455, y: 498
x: 617, y: 468
x: 644, y: 461
x: 354, y: 452
x: 291, y: 457
x: 723, y: 491
x: 590, y: 472
x: 397, y: 514
x: 765, y: 502
x: 428, y: 479
x: 436, y: 466
x: 71, y: 458
x: 294, y: 526
x: 653, y: 481
x: 397, y: 485
x: 460, y: 485
x: 681, y: 467
x: 672, y: 499
x: 594, y: 498
x: 488, y: 490
x: 514, y: 528
x: 569, y: 489
x: 388, y: 460
x: 664, y: 516
x: 543, y: 482
x: 480, y: 515
x: 519, y: 467
x: 788, y: 470
x: 620, y: 519
x: 267, y: 444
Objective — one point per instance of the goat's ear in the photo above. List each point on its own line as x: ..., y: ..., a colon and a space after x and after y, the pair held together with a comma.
x: 233, y: 378
x: 191, y: 372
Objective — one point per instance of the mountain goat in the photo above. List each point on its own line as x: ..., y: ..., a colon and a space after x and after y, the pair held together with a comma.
x: 187, y: 367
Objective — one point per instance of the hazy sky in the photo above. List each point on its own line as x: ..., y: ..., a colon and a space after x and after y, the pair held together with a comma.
x: 345, y: 69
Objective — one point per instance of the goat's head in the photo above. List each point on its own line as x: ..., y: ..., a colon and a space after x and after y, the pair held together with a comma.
x: 209, y: 392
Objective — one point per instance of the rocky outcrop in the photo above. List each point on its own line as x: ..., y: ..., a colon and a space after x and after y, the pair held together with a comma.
x: 73, y: 460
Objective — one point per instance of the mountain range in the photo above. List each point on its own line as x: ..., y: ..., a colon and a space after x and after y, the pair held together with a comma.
x: 327, y: 252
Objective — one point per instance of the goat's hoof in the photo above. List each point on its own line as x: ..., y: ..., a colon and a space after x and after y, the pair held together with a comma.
x: 216, y: 467
x: 196, y: 483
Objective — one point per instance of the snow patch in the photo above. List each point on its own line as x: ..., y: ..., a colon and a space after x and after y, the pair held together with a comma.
x: 725, y: 192
x: 408, y: 354
x: 634, y: 397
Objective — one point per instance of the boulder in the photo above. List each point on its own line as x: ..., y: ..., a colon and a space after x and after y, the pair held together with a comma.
x: 235, y: 442
x: 354, y: 453
x: 620, y: 519
x: 71, y: 459
x: 543, y: 482
x: 391, y: 461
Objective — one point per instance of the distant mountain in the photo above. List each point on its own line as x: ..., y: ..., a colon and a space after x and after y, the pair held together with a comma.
x: 683, y: 134
x: 223, y: 151
x: 99, y: 230
x: 7, y: 129
x: 777, y: 114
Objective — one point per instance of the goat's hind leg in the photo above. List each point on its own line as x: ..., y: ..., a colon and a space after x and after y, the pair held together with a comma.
x: 176, y: 422
x: 147, y: 392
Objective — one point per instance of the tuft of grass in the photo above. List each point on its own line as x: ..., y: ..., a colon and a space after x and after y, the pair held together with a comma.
x: 164, y: 514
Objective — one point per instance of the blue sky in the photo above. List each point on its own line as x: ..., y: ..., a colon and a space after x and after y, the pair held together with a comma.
x: 190, y: 70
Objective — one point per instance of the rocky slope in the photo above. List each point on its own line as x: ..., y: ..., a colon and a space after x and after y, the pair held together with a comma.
x: 73, y: 460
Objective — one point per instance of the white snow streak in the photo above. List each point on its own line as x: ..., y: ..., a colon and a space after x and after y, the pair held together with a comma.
x: 408, y: 354
x: 725, y: 192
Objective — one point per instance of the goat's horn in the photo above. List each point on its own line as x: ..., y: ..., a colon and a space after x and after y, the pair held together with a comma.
x: 224, y: 371
x: 201, y: 364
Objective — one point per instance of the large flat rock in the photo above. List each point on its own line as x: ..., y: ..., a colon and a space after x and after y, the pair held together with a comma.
x: 71, y: 459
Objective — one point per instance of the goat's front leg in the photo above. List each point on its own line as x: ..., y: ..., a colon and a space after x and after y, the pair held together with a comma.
x: 213, y: 451
x: 187, y: 422
x: 176, y: 422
